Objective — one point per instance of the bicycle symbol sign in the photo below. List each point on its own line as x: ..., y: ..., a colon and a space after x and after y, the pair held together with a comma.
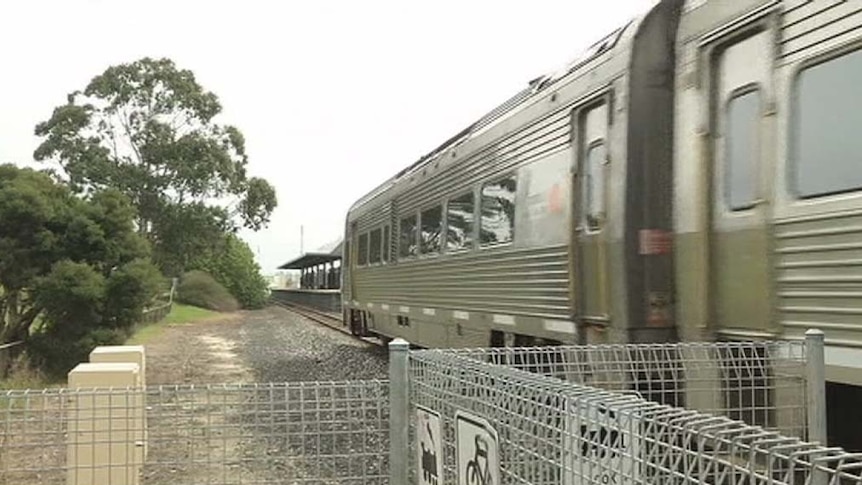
x: 478, y: 455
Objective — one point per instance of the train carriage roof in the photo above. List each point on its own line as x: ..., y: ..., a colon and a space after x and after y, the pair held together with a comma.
x: 534, y: 88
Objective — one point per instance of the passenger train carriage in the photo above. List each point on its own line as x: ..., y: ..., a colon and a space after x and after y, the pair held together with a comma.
x: 696, y: 175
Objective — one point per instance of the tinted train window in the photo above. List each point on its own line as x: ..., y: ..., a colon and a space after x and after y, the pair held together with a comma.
x: 498, y: 211
x: 407, y: 240
x: 374, y: 249
x: 386, y: 244
x: 594, y: 186
x: 363, y: 249
x: 459, y: 220
x: 828, y: 115
x: 432, y: 229
x: 743, y: 133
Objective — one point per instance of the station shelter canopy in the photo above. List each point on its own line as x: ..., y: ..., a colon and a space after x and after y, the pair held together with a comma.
x: 320, y: 270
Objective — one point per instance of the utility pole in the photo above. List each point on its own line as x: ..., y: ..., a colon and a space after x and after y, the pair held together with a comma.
x: 301, y: 230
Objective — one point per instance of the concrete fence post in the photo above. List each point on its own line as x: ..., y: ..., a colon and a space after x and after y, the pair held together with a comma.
x: 815, y: 370
x: 399, y: 404
x: 102, y: 425
x: 130, y: 354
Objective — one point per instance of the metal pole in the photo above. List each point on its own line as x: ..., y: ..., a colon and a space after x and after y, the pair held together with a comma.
x: 815, y: 365
x: 398, y: 409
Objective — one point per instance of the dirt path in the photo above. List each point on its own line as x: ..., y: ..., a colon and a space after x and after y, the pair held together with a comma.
x: 198, y: 353
x: 236, y: 430
x: 269, y: 345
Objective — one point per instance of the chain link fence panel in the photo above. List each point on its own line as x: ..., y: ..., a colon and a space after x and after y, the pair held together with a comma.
x: 315, y: 432
x: 760, y: 383
x: 555, y: 431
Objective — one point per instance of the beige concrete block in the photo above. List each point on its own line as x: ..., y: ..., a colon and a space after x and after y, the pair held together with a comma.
x: 105, y: 425
x: 129, y: 354
x: 134, y: 354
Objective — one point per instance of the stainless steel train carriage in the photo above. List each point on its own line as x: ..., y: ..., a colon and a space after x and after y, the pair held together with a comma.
x: 695, y: 175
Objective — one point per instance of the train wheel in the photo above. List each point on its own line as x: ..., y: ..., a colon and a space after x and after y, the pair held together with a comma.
x: 355, y: 322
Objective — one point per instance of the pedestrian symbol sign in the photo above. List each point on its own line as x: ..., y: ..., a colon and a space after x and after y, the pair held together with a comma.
x: 477, y: 452
x: 429, y: 446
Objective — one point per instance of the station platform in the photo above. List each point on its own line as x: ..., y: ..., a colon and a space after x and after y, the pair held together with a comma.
x: 326, y: 301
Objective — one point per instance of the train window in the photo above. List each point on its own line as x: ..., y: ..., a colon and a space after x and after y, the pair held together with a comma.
x: 407, y: 240
x: 363, y: 249
x: 459, y: 222
x: 828, y: 114
x: 432, y: 229
x: 498, y: 211
x: 374, y: 247
x: 385, y: 254
x: 741, y: 143
x: 594, y: 186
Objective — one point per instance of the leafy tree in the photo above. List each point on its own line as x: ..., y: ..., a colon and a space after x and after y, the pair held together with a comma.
x: 147, y: 129
x: 186, y: 232
x: 70, y: 267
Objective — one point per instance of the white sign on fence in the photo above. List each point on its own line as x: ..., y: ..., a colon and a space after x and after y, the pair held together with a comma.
x: 477, y: 451
x: 429, y: 446
x: 605, y: 445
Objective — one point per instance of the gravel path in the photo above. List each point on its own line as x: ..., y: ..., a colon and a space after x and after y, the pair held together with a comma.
x: 263, y: 346
x: 280, y: 346
x: 266, y: 434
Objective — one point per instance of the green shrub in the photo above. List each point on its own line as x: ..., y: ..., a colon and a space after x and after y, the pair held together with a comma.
x: 200, y: 289
x: 233, y: 265
x: 129, y: 290
x: 56, y: 354
x: 83, y: 309
x: 74, y: 273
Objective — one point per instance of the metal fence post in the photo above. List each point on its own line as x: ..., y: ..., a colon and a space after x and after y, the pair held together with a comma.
x: 815, y: 366
x: 398, y: 409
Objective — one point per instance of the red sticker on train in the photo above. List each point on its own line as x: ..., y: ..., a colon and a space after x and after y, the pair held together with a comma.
x: 655, y: 241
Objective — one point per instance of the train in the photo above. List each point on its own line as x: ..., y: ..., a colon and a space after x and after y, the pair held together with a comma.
x: 693, y: 176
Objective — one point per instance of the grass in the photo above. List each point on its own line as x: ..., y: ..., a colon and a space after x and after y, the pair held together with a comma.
x: 188, y: 314
x: 179, y: 315
x: 24, y: 378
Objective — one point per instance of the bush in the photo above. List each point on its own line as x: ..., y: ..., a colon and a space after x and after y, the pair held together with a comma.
x: 74, y: 273
x: 200, y: 289
x: 83, y: 309
x: 129, y: 290
x: 56, y: 354
x: 233, y: 266
x: 72, y: 297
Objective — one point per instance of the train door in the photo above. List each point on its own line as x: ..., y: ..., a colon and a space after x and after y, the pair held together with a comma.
x: 741, y: 93
x: 590, y: 216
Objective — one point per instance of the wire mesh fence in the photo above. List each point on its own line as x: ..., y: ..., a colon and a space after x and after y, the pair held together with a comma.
x: 552, y: 431
x: 318, y: 432
x: 503, y: 416
x: 760, y: 383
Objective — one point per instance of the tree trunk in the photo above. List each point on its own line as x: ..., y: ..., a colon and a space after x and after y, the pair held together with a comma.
x: 8, y: 356
x: 15, y: 323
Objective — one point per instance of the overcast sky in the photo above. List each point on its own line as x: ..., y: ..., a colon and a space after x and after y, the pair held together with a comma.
x: 333, y: 96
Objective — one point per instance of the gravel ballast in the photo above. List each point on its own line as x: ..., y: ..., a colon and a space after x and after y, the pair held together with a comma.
x: 281, y: 346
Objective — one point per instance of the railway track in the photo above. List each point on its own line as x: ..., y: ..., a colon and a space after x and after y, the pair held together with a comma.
x: 323, y: 318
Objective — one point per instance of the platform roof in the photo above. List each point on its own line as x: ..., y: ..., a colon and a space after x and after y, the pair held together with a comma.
x: 313, y: 258
x: 308, y: 260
